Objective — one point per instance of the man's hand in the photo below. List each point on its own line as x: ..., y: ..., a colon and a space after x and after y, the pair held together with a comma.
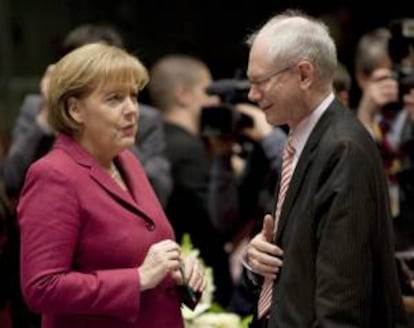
x: 260, y: 128
x: 262, y: 255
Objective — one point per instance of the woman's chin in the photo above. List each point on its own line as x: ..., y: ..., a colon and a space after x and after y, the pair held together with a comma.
x: 126, y: 143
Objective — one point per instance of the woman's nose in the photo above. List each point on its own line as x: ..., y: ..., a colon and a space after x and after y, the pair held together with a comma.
x: 131, y: 105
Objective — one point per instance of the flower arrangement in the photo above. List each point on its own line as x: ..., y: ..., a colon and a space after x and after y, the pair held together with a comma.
x: 208, y: 314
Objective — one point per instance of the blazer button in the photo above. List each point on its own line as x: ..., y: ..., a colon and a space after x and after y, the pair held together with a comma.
x: 150, y: 226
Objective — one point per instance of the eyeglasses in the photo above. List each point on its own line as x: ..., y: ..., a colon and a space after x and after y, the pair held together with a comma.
x: 261, y: 83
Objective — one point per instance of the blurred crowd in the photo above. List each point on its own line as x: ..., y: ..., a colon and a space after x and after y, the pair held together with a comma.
x: 213, y: 160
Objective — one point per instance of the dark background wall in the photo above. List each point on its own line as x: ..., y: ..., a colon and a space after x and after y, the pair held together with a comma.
x: 31, y: 32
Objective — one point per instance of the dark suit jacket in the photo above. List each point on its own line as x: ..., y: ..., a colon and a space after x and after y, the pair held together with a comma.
x: 335, y: 230
x: 83, y: 238
x: 187, y: 207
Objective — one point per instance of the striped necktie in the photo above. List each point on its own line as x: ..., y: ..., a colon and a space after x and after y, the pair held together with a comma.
x: 265, y: 298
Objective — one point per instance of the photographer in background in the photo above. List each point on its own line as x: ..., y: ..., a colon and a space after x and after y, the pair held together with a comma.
x: 401, y: 134
x: 243, y: 147
x: 378, y: 107
x: 401, y: 51
x: 374, y: 76
x: 400, y: 138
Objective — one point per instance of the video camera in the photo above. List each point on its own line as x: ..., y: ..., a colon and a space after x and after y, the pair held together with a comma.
x: 225, y: 120
x: 400, y: 48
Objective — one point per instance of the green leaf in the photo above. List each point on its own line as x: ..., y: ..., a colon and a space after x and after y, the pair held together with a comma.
x: 186, y: 244
x: 216, y: 308
x: 246, y: 321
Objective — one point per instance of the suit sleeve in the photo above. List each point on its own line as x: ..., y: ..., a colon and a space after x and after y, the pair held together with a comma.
x: 50, y: 221
x: 346, y: 214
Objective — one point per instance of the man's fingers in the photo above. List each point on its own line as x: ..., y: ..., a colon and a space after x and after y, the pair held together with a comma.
x: 267, y: 230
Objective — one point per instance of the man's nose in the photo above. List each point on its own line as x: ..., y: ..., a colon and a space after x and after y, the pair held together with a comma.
x: 254, y: 94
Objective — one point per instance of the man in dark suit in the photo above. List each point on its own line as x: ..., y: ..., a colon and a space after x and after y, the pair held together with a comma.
x: 327, y: 255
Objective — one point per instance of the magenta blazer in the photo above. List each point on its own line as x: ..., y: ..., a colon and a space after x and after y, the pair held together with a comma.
x: 83, y: 238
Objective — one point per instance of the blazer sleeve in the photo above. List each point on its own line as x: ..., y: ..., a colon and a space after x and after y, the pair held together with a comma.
x: 50, y: 221
x: 345, y: 210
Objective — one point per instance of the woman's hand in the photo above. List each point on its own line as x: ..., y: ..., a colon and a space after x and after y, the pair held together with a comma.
x: 162, y: 258
x: 194, y: 276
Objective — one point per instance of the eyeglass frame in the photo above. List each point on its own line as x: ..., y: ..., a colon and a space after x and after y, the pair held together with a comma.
x: 261, y: 83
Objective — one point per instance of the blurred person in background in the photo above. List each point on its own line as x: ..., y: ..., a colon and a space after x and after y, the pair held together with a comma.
x: 377, y: 108
x: 374, y: 76
x: 401, y: 139
x: 178, y: 87
x: 379, y: 94
x: 96, y: 247
x: 6, y: 280
x: 258, y: 147
x: 342, y: 84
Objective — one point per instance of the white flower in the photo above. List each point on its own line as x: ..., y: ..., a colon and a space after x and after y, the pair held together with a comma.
x: 200, y: 317
x: 215, y: 320
x: 187, y: 250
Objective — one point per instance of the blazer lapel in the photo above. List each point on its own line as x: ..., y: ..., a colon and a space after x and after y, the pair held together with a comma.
x: 98, y: 174
x: 129, y: 199
x: 306, y: 158
x: 139, y: 186
x: 130, y: 175
x: 107, y: 183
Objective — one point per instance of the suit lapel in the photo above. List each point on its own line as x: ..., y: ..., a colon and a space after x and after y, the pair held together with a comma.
x: 306, y: 158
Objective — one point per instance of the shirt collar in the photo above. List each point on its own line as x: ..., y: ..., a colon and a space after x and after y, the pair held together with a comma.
x: 302, y: 131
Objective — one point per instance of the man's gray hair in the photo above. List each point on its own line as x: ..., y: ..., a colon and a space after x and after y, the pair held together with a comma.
x: 293, y: 36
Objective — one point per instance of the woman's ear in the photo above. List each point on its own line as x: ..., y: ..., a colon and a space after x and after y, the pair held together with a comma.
x: 74, y: 110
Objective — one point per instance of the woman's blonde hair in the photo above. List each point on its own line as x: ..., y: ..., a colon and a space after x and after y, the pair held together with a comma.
x: 81, y: 72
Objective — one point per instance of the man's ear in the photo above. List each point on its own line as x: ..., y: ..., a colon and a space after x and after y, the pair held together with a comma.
x: 74, y: 110
x: 306, y: 73
x: 182, y: 95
